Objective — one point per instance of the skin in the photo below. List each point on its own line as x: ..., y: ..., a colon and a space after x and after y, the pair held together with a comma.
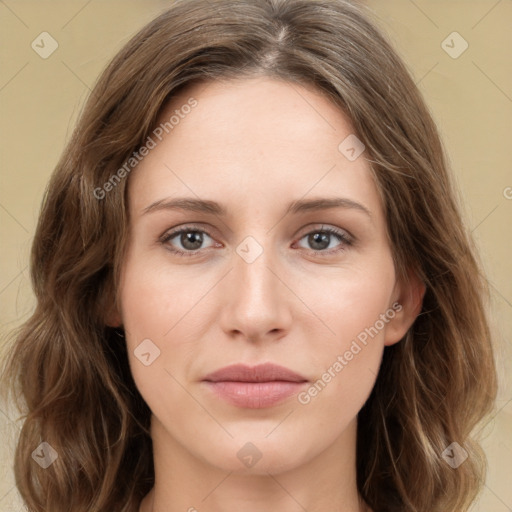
x: 255, y: 145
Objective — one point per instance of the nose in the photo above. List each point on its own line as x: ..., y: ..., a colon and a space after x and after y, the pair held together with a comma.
x: 256, y: 304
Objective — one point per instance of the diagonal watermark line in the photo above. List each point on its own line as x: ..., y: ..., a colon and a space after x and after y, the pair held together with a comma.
x: 199, y: 403
x: 86, y: 85
x: 424, y: 13
x: 506, y: 447
x: 312, y: 312
x: 8, y: 419
x: 499, y: 1
x: 292, y: 86
x: 307, y: 192
x: 500, y: 294
x: 200, y: 299
x: 218, y: 218
x: 492, y: 81
x: 12, y: 280
x: 281, y: 422
x: 216, y: 487
x: 497, y: 497
x: 14, y: 76
x: 13, y: 13
x: 372, y: 372
x: 7, y: 493
x: 13, y: 218
x: 15, y: 423
x: 286, y: 491
x: 419, y: 81
x: 75, y: 15
x: 485, y: 218
x: 492, y: 417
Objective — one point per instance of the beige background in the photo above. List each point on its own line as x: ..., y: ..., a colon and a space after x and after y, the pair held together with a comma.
x: 470, y: 97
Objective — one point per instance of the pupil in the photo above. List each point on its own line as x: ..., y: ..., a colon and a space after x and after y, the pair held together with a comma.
x: 191, y: 240
x: 319, y: 240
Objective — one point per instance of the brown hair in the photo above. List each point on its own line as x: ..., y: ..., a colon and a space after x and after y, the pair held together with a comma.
x: 70, y: 371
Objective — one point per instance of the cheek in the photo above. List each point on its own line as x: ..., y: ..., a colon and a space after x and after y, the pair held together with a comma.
x: 149, y: 308
x: 157, y: 302
x: 352, y: 299
x: 160, y: 311
x: 356, y: 310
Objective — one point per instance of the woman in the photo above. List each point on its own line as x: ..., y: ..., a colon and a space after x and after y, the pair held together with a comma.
x: 254, y: 287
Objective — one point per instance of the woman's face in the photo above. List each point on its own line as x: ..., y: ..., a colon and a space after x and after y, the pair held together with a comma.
x: 264, y: 272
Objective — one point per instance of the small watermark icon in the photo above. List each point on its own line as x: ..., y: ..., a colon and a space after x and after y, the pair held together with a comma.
x: 249, y: 455
x: 45, y: 455
x: 151, y: 143
x: 351, y: 147
x: 249, y: 249
x: 454, y: 455
x: 454, y: 45
x: 44, y: 45
x: 146, y: 352
x: 304, y: 397
x: 507, y: 192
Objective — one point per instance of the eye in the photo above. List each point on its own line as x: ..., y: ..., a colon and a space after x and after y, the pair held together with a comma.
x: 324, y: 240
x: 189, y: 240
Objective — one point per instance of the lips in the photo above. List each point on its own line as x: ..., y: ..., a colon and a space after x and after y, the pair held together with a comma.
x: 255, y: 387
x: 260, y: 373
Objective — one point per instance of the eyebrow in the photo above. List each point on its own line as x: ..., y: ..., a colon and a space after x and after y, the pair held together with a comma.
x: 214, y: 208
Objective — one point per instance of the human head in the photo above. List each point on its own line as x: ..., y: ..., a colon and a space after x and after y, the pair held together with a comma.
x: 77, y: 266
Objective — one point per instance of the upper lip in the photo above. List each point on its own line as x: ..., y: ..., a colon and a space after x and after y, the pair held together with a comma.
x: 267, y: 372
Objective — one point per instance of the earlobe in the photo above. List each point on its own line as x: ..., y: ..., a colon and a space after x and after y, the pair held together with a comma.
x: 410, y: 297
x: 109, y: 308
x: 112, y: 317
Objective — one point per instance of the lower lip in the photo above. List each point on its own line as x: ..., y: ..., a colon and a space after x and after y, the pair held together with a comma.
x: 255, y: 395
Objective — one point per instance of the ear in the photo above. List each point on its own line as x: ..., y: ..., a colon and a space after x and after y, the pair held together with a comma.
x: 113, y: 318
x: 111, y: 315
x: 407, y: 304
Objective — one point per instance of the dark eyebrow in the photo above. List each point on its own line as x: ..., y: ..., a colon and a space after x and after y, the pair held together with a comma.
x: 305, y: 205
x: 214, y: 208
x: 186, y: 203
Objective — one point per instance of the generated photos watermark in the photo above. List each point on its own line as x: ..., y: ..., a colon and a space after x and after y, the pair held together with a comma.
x: 361, y: 341
x: 151, y: 143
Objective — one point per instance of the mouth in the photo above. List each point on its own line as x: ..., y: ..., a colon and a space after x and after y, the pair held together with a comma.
x: 256, y: 387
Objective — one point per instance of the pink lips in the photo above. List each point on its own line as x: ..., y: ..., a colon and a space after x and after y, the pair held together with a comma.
x: 254, y: 387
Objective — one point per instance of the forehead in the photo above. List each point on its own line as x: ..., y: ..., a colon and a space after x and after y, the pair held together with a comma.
x: 234, y: 110
x: 250, y: 139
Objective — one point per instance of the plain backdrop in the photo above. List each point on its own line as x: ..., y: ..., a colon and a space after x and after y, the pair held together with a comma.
x: 469, y: 93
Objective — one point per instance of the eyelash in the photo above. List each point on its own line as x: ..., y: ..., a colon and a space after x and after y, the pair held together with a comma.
x: 345, y: 240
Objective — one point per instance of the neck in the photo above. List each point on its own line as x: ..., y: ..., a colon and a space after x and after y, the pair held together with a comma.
x: 183, y: 482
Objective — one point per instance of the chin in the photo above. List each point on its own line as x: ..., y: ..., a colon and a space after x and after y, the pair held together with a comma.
x: 260, y: 455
